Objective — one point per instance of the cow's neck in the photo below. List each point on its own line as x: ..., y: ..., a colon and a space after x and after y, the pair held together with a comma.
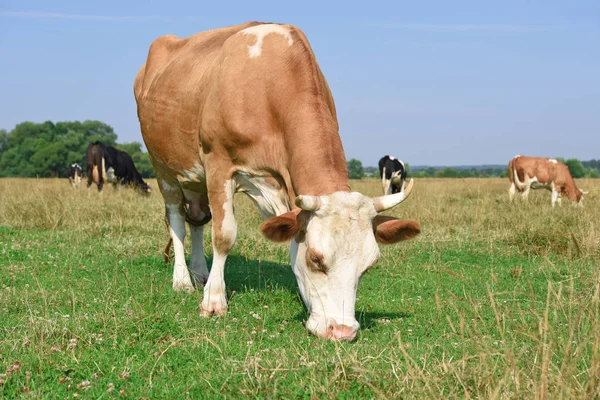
x: 317, y: 163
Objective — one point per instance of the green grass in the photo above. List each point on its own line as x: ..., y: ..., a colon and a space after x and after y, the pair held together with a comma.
x: 492, y: 300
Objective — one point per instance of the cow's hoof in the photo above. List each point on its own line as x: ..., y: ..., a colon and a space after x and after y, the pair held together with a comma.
x: 208, y: 313
x: 183, y: 287
x: 213, y: 310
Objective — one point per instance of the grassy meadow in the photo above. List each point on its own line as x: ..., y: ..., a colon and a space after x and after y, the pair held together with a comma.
x: 492, y: 300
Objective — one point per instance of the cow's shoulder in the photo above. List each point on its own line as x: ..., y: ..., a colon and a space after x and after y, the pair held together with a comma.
x: 382, y: 161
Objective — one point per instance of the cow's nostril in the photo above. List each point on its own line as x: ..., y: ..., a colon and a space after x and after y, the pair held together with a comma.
x: 341, y: 332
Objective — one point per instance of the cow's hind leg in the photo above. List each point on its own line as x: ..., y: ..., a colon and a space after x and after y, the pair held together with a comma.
x: 181, y: 276
x: 175, y: 216
x: 525, y: 192
x: 90, y: 174
x: 511, y: 191
x: 224, y: 232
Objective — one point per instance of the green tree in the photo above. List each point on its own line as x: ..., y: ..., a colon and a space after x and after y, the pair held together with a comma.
x: 593, y: 173
x: 355, y: 169
x: 46, y: 149
x: 3, y: 138
x: 447, y: 173
x: 575, y: 167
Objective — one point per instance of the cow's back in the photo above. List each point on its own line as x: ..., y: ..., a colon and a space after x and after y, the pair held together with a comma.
x: 543, y: 169
x: 168, y: 92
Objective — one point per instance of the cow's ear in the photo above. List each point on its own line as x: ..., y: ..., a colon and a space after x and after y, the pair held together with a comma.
x: 389, y: 230
x: 285, y: 226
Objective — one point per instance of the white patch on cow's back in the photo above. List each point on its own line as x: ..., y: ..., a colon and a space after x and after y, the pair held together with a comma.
x: 517, y: 156
x: 260, y: 31
x: 392, y: 158
x: 553, y: 161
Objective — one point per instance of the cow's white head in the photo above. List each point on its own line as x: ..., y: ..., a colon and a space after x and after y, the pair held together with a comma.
x: 334, y: 242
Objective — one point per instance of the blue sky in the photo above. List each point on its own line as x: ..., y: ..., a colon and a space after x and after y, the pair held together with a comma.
x: 431, y: 82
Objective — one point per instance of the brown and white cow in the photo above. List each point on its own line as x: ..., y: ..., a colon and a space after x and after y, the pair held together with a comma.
x: 247, y: 109
x: 527, y: 173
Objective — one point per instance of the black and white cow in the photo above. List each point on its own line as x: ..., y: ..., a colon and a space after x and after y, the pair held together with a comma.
x: 74, y: 173
x: 106, y: 163
x: 393, y: 175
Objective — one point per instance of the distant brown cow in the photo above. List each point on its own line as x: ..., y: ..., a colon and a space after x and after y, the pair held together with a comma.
x: 527, y: 173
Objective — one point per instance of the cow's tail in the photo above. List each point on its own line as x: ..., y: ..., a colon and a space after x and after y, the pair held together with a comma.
x: 515, y: 175
x: 104, y: 177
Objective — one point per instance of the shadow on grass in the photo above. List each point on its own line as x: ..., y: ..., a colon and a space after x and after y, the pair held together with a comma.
x: 369, y: 320
x: 242, y: 275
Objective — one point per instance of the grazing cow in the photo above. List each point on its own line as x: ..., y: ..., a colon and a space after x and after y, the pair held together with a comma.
x: 527, y: 173
x: 96, y: 171
x: 393, y: 175
x: 247, y: 109
x: 113, y: 165
x: 74, y: 173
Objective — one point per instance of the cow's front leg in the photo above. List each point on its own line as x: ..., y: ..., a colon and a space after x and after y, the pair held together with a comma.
x: 181, y: 275
x: 555, y: 197
x: 224, y: 232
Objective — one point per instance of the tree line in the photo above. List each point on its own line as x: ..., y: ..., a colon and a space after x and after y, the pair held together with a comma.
x: 47, y: 149
x: 578, y: 169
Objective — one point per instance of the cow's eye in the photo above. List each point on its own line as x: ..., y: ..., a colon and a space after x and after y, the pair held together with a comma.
x: 315, y: 261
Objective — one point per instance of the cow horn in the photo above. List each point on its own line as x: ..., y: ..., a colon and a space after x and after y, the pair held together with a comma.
x: 308, y: 203
x: 582, y: 192
x: 383, y: 203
